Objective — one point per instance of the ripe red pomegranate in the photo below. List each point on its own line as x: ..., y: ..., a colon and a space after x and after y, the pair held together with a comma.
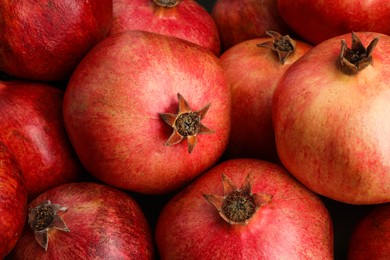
x: 43, y: 40
x: 330, y: 114
x: 256, y: 211
x: 32, y: 128
x: 316, y: 21
x: 253, y: 68
x: 185, y: 19
x: 13, y: 202
x: 371, y: 237
x: 148, y: 112
x: 85, y: 220
x: 240, y: 20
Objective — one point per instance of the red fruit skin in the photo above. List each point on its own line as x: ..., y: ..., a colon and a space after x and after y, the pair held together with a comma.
x: 13, y: 202
x: 253, y: 73
x: 293, y: 225
x: 187, y: 20
x: 113, y: 101
x: 371, y: 237
x: 42, y: 41
x: 332, y: 130
x: 104, y: 223
x: 316, y: 21
x: 240, y: 20
x: 32, y: 128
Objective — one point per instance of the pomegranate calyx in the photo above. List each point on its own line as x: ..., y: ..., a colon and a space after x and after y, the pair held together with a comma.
x: 237, y: 206
x: 44, y: 217
x: 186, y: 124
x: 284, y: 46
x: 167, y: 3
x: 354, y: 59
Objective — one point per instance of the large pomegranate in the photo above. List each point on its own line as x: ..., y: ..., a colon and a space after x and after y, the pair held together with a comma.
x: 13, y: 201
x: 148, y: 112
x: 45, y: 40
x: 32, y: 128
x: 185, y: 19
x: 316, y: 21
x: 253, y: 68
x: 245, y: 209
x: 241, y: 20
x: 331, y: 118
x: 85, y: 220
x: 371, y: 237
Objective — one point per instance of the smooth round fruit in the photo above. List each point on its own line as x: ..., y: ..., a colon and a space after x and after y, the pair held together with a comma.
x: 85, y: 220
x: 45, y: 40
x: 290, y: 223
x: 121, y: 103
x: 332, y: 128
x: 185, y: 19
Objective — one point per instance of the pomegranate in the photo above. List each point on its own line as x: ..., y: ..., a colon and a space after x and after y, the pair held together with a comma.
x: 371, y: 236
x: 85, y: 220
x: 13, y: 202
x: 253, y: 74
x: 257, y: 211
x: 185, y: 19
x: 240, y: 20
x: 135, y: 92
x: 316, y: 21
x: 45, y: 40
x: 330, y: 115
x: 32, y: 128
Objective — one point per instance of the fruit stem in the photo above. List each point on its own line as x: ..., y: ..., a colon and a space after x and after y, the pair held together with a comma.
x: 354, y: 59
x: 284, y: 46
x: 167, y: 3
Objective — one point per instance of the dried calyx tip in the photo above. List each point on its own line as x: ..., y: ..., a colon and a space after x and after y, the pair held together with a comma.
x: 284, y: 46
x: 167, y: 3
x: 44, y: 217
x: 237, y: 206
x: 354, y: 59
x: 186, y: 124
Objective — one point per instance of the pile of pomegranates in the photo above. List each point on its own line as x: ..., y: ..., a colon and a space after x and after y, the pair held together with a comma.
x: 184, y: 129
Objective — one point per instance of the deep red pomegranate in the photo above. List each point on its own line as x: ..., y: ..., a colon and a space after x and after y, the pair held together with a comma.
x: 371, y: 237
x: 253, y: 68
x: 330, y: 115
x: 45, y: 40
x: 13, y: 202
x: 148, y: 112
x: 85, y: 220
x: 32, y: 128
x: 246, y: 209
x: 316, y: 21
x: 185, y: 19
x: 241, y: 20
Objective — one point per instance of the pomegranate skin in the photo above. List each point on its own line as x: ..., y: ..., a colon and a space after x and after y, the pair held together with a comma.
x: 332, y: 130
x: 253, y: 73
x: 32, y: 128
x: 113, y: 103
x: 294, y: 225
x: 104, y: 223
x: 317, y: 21
x: 371, y: 237
x: 45, y: 42
x: 187, y: 20
x: 241, y: 20
x: 13, y: 202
